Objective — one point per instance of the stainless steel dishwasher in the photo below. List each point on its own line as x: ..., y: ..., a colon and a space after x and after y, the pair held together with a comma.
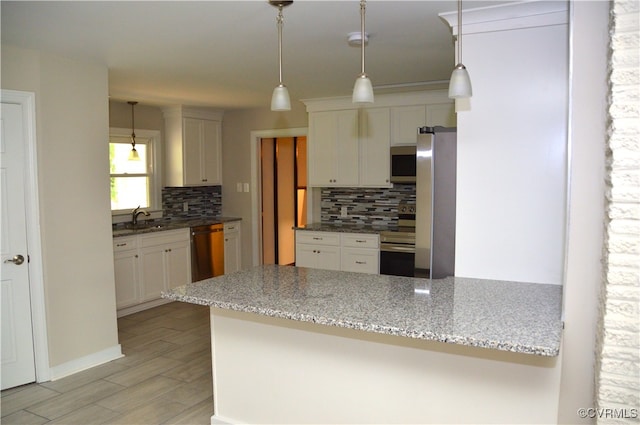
x: 207, y: 251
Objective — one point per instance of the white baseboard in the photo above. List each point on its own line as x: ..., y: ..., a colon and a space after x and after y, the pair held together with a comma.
x: 141, y: 307
x: 221, y: 420
x: 86, y: 362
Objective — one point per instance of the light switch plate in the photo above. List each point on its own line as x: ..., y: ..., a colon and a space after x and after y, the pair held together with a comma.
x: 238, y: 187
x: 246, y: 187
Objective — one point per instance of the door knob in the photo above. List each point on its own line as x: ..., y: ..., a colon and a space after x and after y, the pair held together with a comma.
x: 17, y: 260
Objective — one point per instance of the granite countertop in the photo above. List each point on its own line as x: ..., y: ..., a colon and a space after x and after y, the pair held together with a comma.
x: 508, y: 316
x: 163, y: 224
x: 347, y: 228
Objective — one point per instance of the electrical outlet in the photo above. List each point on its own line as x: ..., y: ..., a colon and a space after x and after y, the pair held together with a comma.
x: 185, y: 206
x: 343, y: 212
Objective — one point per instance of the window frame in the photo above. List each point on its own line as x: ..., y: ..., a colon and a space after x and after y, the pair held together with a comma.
x: 154, y: 149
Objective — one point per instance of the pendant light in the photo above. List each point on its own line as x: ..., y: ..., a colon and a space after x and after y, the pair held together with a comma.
x: 280, y: 99
x: 460, y: 83
x: 133, y: 155
x: 363, y: 89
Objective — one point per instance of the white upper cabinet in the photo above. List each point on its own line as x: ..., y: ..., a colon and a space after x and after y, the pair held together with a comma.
x: 193, y: 146
x: 374, y: 147
x: 333, y: 148
x: 407, y: 119
x: 405, y: 123
x: 443, y: 114
x: 349, y: 146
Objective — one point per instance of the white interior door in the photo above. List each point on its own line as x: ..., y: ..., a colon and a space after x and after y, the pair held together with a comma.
x: 18, y: 365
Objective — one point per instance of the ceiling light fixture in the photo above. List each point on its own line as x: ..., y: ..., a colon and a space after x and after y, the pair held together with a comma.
x: 133, y: 155
x: 355, y: 39
x: 280, y: 99
x: 363, y: 89
x: 460, y: 83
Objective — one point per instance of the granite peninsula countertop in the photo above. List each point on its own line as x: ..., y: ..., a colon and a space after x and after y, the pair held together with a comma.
x: 163, y: 224
x: 508, y: 316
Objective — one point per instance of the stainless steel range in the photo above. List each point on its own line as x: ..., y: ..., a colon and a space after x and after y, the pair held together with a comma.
x: 398, y: 247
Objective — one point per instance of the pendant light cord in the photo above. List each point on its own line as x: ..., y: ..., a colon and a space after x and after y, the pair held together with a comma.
x: 459, y: 31
x: 133, y: 126
x: 280, y: 23
x: 363, y: 5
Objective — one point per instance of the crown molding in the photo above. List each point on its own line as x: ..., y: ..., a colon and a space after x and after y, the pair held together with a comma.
x: 525, y: 14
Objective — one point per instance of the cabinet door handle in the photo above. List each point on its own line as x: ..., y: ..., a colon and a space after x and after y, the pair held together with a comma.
x: 136, y: 256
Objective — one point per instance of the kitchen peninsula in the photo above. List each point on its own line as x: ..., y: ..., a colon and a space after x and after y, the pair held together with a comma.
x: 299, y: 345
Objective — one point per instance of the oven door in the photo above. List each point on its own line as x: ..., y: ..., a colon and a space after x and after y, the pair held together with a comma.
x: 397, y: 259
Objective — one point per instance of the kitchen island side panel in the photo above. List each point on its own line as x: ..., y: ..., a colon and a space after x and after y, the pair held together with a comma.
x: 272, y: 370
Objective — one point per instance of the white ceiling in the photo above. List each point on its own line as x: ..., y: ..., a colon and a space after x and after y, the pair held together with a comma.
x: 224, y: 53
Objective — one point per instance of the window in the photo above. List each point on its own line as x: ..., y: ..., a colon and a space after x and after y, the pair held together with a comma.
x: 132, y: 182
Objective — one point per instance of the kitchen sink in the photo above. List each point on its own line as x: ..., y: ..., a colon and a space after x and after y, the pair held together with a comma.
x: 142, y: 226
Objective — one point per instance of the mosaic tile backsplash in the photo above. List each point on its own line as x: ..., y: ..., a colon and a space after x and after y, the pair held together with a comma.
x: 203, y: 201
x: 374, y: 206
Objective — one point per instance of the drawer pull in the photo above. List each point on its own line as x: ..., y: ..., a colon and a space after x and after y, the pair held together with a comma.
x: 316, y: 238
x: 360, y: 241
x: 121, y: 244
x: 361, y: 262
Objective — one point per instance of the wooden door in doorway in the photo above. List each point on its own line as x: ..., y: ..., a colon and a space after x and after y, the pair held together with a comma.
x: 284, y: 196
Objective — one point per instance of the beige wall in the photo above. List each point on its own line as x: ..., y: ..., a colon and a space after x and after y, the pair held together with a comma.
x: 236, y: 158
x: 73, y: 172
x: 147, y: 117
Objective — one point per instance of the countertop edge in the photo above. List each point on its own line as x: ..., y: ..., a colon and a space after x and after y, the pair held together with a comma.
x: 169, y: 224
x: 370, y: 327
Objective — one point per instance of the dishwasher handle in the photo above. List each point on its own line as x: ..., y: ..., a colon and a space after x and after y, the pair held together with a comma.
x: 204, y: 230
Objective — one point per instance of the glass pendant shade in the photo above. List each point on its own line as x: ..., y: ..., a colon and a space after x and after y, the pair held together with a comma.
x: 133, y: 155
x: 362, y: 90
x: 460, y: 83
x: 280, y: 100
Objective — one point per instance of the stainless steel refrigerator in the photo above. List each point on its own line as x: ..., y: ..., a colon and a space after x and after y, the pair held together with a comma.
x: 435, y: 202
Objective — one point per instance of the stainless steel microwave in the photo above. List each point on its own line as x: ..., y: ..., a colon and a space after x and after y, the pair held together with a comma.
x: 403, y: 164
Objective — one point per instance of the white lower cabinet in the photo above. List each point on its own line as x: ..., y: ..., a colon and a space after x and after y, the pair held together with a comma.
x: 232, y: 250
x: 127, y: 270
x: 338, y: 251
x: 361, y: 253
x: 146, y: 265
x: 318, y: 250
x: 318, y: 256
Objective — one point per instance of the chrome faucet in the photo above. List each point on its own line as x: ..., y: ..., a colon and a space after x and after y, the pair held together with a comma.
x: 136, y: 212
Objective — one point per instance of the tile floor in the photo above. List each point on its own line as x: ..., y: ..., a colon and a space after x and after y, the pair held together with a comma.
x: 164, y: 378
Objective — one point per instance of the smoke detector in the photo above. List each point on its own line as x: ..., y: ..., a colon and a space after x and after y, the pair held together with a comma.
x: 355, y: 38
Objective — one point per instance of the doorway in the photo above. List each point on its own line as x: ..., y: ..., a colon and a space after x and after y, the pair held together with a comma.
x: 283, y: 165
